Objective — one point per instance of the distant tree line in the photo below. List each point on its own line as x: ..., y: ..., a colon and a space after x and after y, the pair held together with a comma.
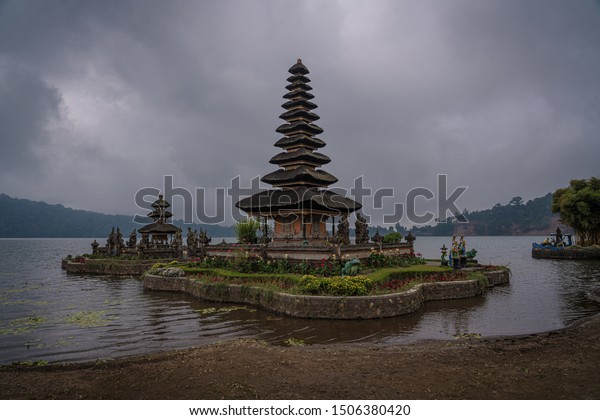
x: 23, y: 218
x: 33, y: 219
x: 514, y: 218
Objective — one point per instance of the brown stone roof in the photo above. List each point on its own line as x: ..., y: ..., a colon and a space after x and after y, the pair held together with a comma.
x: 301, y: 198
x: 300, y: 156
x: 298, y: 176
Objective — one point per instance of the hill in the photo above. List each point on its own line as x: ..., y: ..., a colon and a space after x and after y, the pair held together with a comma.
x: 23, y: 218
x: 34, y: 219
x: 514, y: 218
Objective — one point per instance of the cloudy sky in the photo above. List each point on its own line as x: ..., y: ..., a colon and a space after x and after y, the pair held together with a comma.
x: 101, y: 98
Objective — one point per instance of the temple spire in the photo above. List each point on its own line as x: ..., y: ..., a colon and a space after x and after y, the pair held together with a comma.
x: 299, y: 160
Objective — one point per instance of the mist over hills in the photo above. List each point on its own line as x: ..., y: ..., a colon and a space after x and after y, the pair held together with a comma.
x: 22, y: 218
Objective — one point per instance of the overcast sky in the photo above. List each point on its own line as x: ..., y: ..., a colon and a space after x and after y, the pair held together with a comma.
x: 101, y: 98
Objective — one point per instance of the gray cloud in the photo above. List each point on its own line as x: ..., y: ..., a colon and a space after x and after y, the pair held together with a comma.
x: 100, y: 99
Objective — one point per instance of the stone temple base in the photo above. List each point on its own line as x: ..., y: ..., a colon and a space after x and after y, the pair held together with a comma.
x: 312, y: 253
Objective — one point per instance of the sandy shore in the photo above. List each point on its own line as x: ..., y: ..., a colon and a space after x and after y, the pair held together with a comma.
x: 563, y: 364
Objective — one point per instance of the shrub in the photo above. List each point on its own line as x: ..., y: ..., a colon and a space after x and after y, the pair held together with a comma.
x: 245, y: 231
x: 337, y: 285
x: 392, y: 238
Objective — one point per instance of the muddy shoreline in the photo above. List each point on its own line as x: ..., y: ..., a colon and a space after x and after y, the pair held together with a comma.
x: 561, y: 364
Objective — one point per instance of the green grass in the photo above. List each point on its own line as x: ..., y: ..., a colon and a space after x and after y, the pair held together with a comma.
x: 289, y: 283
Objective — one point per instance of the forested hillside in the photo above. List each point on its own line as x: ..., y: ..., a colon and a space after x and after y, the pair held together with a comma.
x: 35, y: 219
x: 514, y: 218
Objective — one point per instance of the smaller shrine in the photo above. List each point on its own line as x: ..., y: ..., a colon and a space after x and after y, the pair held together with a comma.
x: 156, y: 235
x: 160, y: 239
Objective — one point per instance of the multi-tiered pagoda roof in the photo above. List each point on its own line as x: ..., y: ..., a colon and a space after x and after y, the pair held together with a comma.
x: 300, y: 179
x: 160, y: 216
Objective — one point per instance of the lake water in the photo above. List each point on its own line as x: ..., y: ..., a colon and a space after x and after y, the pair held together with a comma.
x: 48, y: 315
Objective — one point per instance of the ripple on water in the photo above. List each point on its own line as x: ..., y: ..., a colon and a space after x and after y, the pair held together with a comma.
x: 543, y: 295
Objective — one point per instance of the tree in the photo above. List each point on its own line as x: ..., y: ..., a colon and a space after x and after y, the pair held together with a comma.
x: 516, y: 201
x: 579, y: 207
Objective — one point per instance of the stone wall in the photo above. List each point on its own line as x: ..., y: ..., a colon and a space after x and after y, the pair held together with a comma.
x: 327, y: 307
x: 566, y: 254
x: 109, y: 266
x: 309, y: 253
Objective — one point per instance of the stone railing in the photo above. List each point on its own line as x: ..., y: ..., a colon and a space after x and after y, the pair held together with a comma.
x: 328, y: 307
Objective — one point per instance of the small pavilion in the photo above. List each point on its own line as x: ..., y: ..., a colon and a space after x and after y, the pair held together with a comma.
x: 299, y: 203
x: 157, y: 232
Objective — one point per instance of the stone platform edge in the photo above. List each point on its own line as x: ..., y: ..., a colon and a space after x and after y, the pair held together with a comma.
x: 328, y: 307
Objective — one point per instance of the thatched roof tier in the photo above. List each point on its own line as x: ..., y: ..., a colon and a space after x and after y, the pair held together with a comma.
x: 157, y: 213
x: 299, y: 128
x: 299, y: 103
x: 298, y: 94
x: 158, y: 227
x: 302, y: 175
x: 298, y: 199
x: 300, y: 141
x: 299, y: 114
x: 300, y: 156
x: 298, y: 78
x: 298, y: 68
x: 161, y: 203
x: 298, y: 86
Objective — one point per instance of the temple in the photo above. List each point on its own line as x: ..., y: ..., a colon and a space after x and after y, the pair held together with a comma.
x: 299, y: 205
x: 157, y: 233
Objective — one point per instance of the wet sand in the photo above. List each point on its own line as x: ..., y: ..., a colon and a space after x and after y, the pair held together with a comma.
x: 563, y: 364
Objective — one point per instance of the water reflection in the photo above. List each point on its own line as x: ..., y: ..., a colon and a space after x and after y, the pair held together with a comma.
x: 37, y: 300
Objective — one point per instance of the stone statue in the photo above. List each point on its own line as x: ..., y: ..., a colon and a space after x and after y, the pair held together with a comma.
x: 132, y: 239
x: 362, y: 230
x: 410, y: 238
x: 95, y: 247
x: 178, y: 241
x: 144, y: 242
x: 351, y: 268
x: 119, y: 244
x: 203, y: 238
x: 111, y: 242
x: 343, y: 231
x: 191, y: 241
x: 377, y: 238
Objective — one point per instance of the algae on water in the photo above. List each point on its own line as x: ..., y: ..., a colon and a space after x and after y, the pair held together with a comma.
x: 209, y: 311
x: 22, y: 325
x: 90, y: 319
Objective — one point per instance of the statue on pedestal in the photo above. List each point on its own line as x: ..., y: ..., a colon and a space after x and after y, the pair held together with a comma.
x: 362, y: 230
x: 343, y: 231
x: 132, y: 239
x: 191, y: 242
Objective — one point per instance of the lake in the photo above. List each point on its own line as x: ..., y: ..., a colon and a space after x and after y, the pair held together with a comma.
x: 46, y: 314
